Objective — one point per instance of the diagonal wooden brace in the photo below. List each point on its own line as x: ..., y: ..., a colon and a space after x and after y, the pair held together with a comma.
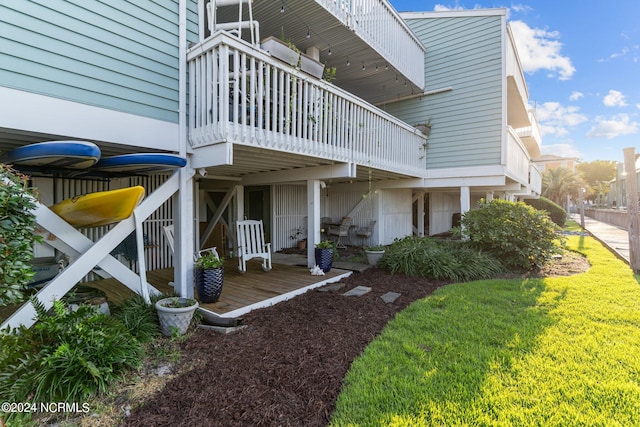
x: 74, y: 243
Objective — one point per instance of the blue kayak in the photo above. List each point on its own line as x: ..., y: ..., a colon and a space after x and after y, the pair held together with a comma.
x: 54, y: 154
x: 140, y: 163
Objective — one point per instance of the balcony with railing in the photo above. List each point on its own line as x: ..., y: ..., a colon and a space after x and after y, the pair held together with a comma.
x: 518, y: 161
x: 517, y: 91
x: 530, y: 135
x: 377, y: 56
x: 378, y: 24
x: 241, y: 94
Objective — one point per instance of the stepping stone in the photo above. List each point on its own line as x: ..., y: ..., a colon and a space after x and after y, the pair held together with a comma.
x: 357, y: 291
x: 222, y: 329
x: 390, y: 297
x: 333, y: 287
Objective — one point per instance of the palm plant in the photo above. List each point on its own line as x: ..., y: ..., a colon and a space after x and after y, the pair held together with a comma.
x: 559, y: 183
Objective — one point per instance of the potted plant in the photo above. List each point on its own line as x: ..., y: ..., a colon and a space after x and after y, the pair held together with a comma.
x: 325, y: 252
x: 374, y: 254
x: 301, y: 241
x: 209, y: 275
x: 175, y: 314
x: 425, y: 128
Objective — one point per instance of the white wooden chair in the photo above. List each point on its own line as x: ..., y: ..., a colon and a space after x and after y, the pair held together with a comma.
x: 168, y: 234
x: 251, y: 244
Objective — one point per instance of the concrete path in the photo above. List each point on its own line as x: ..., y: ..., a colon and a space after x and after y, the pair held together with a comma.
x: 613, y: 237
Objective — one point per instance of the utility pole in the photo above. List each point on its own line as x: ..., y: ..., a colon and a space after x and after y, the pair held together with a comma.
x: 632, y: 208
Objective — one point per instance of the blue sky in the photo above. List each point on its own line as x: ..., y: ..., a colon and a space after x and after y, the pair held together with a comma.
x: 582, y: 65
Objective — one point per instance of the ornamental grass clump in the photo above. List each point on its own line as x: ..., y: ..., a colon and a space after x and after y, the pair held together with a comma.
x: 440, y: 260
x: 520, y: 236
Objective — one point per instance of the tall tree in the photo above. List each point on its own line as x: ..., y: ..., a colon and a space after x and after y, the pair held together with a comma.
x: 597, y: 171
x: 597, y: 174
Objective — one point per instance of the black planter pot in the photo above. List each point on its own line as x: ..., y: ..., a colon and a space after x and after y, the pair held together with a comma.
x: 324, y: 259
x: 209, y: 283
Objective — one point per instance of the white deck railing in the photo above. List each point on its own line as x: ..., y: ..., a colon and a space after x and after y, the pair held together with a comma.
x: 242, y: 95
x: 517, y: 159
x: 535, y: 179
x: 377, y: 23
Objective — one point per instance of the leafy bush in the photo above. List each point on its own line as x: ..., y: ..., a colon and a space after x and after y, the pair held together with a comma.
x: 440, y: 260
x: 66, y: 356
x: 557, y: 214
x: 519, y: 235
x: 17, y: 235
x: 140, y: 318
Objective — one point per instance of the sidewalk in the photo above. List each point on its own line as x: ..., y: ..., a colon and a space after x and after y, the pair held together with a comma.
x: 613, y: 237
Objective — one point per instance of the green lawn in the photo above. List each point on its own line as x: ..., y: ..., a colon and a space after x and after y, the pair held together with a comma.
x: 558, y: 351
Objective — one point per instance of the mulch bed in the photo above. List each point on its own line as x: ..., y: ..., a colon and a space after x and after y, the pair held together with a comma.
x: 286, y: 368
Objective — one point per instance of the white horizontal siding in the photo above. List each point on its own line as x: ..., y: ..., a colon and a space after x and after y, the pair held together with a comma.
x: 117, y: 54
x: 464, y: 53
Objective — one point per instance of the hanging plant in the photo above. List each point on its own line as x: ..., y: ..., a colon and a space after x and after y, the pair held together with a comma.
x: 17, y: 235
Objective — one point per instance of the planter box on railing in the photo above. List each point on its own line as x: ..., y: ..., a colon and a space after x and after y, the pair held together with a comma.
x: 281, y: 51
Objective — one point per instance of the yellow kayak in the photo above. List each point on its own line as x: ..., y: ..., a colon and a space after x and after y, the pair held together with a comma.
x: 100, y: 208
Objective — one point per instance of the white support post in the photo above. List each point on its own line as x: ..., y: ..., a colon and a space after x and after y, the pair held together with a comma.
x: 313, y: 219
x: 239, y: 212
x: 489, y: 196
x: 420, y: 213
x: 184, y: 230
x: 465, y: 200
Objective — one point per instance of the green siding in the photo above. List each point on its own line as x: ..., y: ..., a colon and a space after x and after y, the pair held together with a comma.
x: 464, y: 53
x: 114, y: 54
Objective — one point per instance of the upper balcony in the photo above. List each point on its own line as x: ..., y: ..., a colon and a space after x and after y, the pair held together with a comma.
x: 530, y: 135
x: 241, y: 94
x: 517, y: 92
x: 376, y: 56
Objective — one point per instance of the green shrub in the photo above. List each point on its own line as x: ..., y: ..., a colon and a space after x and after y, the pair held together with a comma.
x: 440, y: 260
x: 557, y: 214
x: 140, y: 318
x: 17, y: 235
x: 517, y: 234
x: 66, y: 356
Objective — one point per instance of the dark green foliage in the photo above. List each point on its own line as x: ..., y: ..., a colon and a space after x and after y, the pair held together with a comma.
x: 437, y: 259
x: 557, y: 214
x: 66, y: 356
x: 17, y: 235
x: 519, y: 235
x: 140, y: 318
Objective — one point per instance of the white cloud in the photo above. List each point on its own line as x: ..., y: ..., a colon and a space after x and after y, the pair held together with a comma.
x: 614, y: 99
x: 539, y: 50
x: 521, y: 8
x: 562, y: 150
x: 443, y: 8
x: 556, y: 119
x: 575, y: 95
x: 612, y: 127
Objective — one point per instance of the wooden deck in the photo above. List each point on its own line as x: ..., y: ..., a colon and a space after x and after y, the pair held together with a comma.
x: 241, y: 293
